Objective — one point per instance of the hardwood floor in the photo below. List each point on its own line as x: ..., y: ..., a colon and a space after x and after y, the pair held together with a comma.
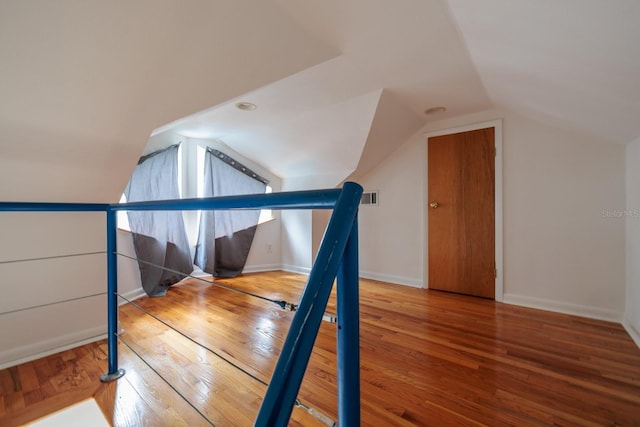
x: 428, y: 358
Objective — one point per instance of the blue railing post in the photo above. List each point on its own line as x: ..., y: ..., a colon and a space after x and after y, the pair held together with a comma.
x: 348, y: 346
x: 282, y: 391
x: 113, y: 373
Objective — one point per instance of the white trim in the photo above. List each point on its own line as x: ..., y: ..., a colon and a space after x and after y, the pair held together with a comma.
x: 262, y: 268
x: 133, y: 295
x: 499, y: 225
x: 425, y: 214
x: 633, y: 332
x: 564, y: 307
x: 199, y: 274
x: 296, y: 269
x: 390, y: 278
x: 16, y: 356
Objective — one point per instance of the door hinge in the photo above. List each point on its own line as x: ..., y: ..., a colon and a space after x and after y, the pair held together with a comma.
x: 495, y: 272
x: 495, y: 152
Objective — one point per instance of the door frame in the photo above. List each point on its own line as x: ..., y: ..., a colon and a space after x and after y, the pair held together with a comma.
x: 498, y: 208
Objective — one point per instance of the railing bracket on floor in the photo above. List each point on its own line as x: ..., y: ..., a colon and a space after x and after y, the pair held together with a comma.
x: 107, y: 377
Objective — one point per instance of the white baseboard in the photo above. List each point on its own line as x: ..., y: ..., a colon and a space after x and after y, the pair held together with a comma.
x: 633, y: 332
x: 295, y: 269
x: 27, y: 353
x: 564, y: 307
x: 132, y: 295
x: 261, y: 268
x: 199, y: 274
x: 40, y: 349
x: 390, y: 278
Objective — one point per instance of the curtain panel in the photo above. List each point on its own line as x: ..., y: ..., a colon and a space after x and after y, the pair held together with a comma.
x: 225, y: 237
x: 159, y: 237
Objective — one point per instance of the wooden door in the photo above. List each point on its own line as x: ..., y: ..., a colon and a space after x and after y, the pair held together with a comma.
x: 461, y: 208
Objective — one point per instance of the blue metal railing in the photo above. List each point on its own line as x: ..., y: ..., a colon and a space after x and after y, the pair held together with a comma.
x: 337, y: 258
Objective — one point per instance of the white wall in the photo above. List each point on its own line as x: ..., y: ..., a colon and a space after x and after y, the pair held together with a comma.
x: 298, y: 233
x: 266, y: 249
x: 319, y: 221
x: 44, y: 279
x: 632, y: 217
x: 390, y: 234
x: 129, y: 282
x: 297, y: 240
x: 107, y: 74
x: 561, y: 252
x: 29, y: 280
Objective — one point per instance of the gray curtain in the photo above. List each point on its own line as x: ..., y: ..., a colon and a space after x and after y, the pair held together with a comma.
x: 225, y: 237
x: 159, y: 237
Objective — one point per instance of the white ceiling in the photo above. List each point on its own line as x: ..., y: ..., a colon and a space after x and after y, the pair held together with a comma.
x: 320, y: 119
x: 339, y: 84
x: 574, y: 63
x: 84, y: 83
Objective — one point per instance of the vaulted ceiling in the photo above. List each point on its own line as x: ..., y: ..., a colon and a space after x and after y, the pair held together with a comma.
x: 395, y: 61
x: 339, y: 84
x: 572, y: 62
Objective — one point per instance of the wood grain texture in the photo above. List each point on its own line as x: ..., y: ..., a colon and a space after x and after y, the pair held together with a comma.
x: 462, y: 228
x: 428, y: 358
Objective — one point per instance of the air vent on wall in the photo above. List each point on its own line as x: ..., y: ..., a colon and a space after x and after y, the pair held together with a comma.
x: 369, y: 198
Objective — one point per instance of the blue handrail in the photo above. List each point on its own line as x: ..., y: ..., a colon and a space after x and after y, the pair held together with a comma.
x: 313, y: 199
x: 337, y: 257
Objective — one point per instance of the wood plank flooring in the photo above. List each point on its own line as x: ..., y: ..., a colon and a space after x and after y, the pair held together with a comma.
x: 428, y: 359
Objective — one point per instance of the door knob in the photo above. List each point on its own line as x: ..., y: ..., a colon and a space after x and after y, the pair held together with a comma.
x: 434, y: 204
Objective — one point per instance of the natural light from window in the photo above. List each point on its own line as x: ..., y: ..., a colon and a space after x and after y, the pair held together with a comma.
x: 191, y: 184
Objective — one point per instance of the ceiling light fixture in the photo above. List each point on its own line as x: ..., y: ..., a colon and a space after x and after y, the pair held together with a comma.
x: 435, y: 110
x: 246, y: 106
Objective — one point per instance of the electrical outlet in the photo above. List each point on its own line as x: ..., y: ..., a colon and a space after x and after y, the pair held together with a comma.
x: 269, y: 248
